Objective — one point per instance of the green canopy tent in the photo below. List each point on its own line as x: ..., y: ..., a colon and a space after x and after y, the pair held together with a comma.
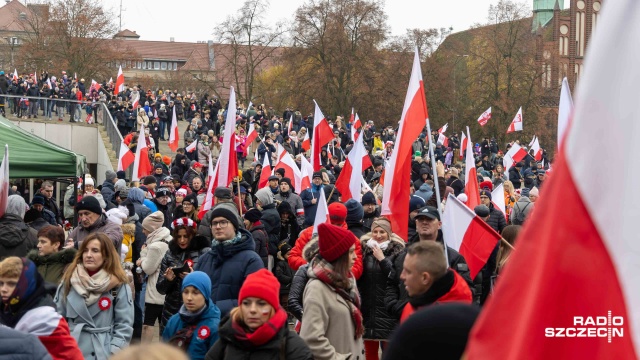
x: 31, y: 156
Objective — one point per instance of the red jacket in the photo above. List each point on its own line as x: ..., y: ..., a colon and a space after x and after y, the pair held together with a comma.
x: 296, y: 260
x: 459, y: 292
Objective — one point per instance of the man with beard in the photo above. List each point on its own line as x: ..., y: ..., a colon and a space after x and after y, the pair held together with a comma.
x: 165, y: 204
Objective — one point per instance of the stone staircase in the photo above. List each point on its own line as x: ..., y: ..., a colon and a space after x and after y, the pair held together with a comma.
x: 113, y: 156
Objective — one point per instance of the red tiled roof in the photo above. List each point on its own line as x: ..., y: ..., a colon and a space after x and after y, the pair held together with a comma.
x: 126, y: 33
x: 10, y: 16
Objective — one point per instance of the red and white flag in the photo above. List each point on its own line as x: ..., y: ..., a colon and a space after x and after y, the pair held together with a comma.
x: 306, y: 142
x: 463, y: 145
x: 535, y: 146
x: 564, y: 111
x: 4, y: 181
x: 322, y: 134
x: 443, y: 140
x: 228, y: 161
x: 471, y: 176
x: 516, y: 123
x: 266, y: 172
x: 119, y: 82
x: 398, y: 170
x: 307, y: 173
x: 15, y: 74
x: 94, y: 85
x: 53, y: 332
x: 467, y: 233
x: 208, y: 200
x: 515, y: 154
x: 322, y: 212
x: 251, y: 136
x: 349, y: 183
x: 174, y: 133
x: 355, y: 126
x: 575, y: 240
x: 49, y: 83
x: 497, y: 198
x: 485, y: 117
x: 291, y: 171
x: 191, y: 146
x: 141, y: 163
x: 443, y: 129
x: 290, y: 125
x: 110, y: 80
x: 126, y: 157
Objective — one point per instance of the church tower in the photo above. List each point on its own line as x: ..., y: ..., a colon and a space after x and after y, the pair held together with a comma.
x: 543, y: 12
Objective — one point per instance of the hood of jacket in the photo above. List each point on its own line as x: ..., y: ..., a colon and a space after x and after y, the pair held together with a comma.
x: 311, y: 249
x: 64, y: 256
x: 13, y: 229
x: 128, y: 229
x: 227, y: 249
x: 136, y: 195
x: 160, y: 234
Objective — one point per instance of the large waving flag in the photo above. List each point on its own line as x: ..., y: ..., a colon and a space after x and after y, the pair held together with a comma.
x: 291, y: 171
x: 4, y: 181
x: 266, y: 172
x: 514, y: 155
x: 463, y: 145
x: 141, y: 163
x: 119, y: 82
x: 306, y: 142
x: 564, y: 111
x: 322, y: 135
x: 174, y: 133
x: 535, y: 146
x: 307, y: 173
x: 443, y: 129
x: 252, y: 134
x: 471, y: 177
x: 485, y: 117
x: 126, y: 157
x: 349, y: 183
x: 466, y: 232
x: 578, y: 251
x: 516, y: 123
x: 227, y: 160
x: 397, y: 175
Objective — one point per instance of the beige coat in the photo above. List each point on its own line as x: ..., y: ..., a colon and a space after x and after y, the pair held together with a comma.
x: 327, y: 327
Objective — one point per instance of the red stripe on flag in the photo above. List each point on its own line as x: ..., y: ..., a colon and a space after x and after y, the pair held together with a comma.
x: 477, y: 244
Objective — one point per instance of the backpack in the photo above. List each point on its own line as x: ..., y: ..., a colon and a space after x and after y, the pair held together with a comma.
x: 520, y: 215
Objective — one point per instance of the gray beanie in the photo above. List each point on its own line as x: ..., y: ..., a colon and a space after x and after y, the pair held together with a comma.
x: 265, y: 196
x: 16, y: 205
x: 110, y: 175
x: 119, y: 185
x: 153, y: 222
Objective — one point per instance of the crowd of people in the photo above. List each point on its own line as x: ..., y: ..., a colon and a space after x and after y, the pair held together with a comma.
x: 252, y: 277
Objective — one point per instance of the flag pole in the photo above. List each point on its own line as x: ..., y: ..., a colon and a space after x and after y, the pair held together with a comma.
x: 506, y: 243
x: 435, y: 182
x: 240, y: 196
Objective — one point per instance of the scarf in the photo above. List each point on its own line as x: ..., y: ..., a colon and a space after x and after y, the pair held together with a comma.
x: 264, y: 333
x: 383, y: 245
x: 191, y: 317
x: 91, y: 287
x: 323, y: 270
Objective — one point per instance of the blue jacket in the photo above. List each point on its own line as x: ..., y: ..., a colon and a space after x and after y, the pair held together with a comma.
x: 204, y: 335
x: 228, y: 263
x: 310, y: 209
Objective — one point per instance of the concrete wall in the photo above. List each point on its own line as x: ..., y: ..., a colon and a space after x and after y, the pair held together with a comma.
x: 82, y: 139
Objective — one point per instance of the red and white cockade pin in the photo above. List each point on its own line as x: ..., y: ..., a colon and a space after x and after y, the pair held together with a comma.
x: 104, y: 303
x: 204, y: 332
x: 189, y: 262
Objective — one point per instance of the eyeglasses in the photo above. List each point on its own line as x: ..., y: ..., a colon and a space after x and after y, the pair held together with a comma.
x: 222, y: 223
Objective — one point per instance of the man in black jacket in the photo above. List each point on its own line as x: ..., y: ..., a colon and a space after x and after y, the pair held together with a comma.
x: 515, y: 176
x: 496, y: 218
x: 428, y: 229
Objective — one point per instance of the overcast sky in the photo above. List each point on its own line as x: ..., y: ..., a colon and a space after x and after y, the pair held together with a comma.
x: 192, y: 20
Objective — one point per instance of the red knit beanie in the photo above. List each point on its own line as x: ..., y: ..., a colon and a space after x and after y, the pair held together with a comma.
x: 337, y: 213
x: 263, y: 285
x: 334, y: 241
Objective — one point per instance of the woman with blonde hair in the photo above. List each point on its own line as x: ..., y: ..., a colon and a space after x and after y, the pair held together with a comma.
x: 257, y: 328
x: 93, y: 299
x: 155, y: 351
x: 509, y: 197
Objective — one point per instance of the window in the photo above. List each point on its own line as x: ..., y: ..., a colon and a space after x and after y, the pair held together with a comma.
x: 163, y: 65
x: 139, y: 65
x: 117, y: 63
x: 156, y: 65
x: 149, y: 65
x: 144, y: 65
x: 175, y: 66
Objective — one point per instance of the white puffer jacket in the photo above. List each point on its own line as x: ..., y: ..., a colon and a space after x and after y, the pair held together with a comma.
x: 151, y: 256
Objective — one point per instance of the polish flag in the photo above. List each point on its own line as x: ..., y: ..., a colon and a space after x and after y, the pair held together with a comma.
x: 15, y: 74
x: 291, y: 171
x: 251, y: 136
x: 322, y: 213
x: 126, y: 157
x: 497, y: 198
x: 266, y: 172
x: 191, y: 146
x: 174, y: 134
x: 398, y: 170
x: 485, y: 117
x: 119, y: 82
x: 4, y: 181
x: 535, y: 146
x: 53, y: 332
x: 208, y: 200
x: 94, y: 85
x: 564, y: 111
x: 290, y: 126
x: 110, y: 80
x: 349, y: 183
x: 463, y: 145
x: 467, y: 233
x: 227, y: 160
x: 141, y: 164
x: 307, y: 173
x: 471, y: 177
x: 578, y: 251
x: 443, y: 140
x: 357, y: 124
x: 443, y: 129
x: 322, y: 134
x: 516, y: 123
x: 135, y: 101
x: 306, y: 142
x: 515, y: 154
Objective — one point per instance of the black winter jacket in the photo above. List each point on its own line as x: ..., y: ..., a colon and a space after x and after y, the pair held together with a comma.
x: 261, y: 239
x: 16, y: 238
x: 378, y: 323
x: 271, y: 221
x: 296, y: 291
x: 286, y: 344
x: 173, y: 289
x: 284, y: 274
x: 496, y: 219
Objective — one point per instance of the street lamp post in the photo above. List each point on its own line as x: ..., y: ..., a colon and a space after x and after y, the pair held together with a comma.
x: 455, y: 92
